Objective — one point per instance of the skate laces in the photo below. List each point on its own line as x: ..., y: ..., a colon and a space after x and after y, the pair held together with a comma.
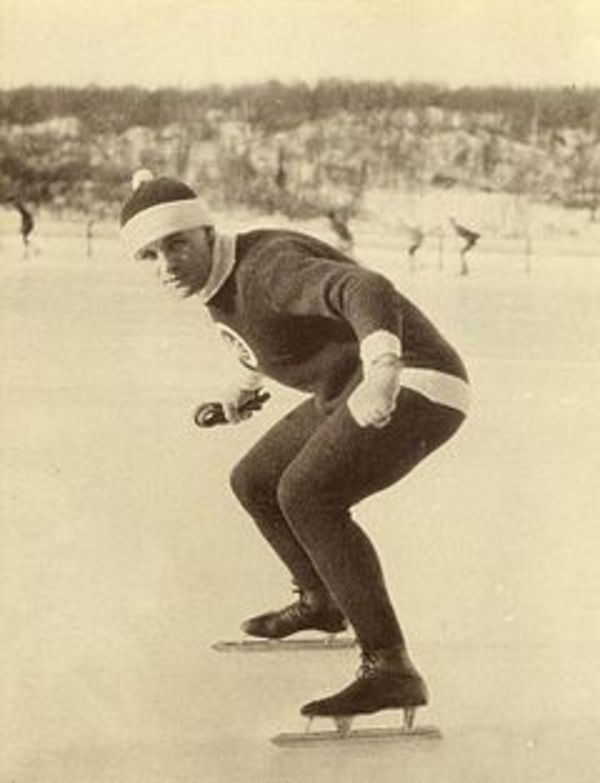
x: 304, y: 608
x: 294, y: 610
x: 298, y: 609
x: 368, y: 665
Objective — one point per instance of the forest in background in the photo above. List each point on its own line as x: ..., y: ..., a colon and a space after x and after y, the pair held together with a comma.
x: 297, y: 149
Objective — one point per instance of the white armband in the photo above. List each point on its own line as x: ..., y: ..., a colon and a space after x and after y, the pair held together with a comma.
x: 378, y: 344
x: 247, y: 379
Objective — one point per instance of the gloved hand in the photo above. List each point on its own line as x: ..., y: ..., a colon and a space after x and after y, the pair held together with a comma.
x: 208, y: 414
x: 374, y: 399
x: 233, y: 400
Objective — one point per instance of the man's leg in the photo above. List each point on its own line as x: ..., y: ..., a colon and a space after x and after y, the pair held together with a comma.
x: 254, y: 481
x: 338, y: 466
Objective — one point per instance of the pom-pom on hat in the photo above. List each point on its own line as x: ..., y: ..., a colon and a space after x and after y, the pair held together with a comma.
x: 159, y: 206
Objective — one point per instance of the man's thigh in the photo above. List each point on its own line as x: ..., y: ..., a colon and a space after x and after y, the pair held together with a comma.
x: 345, y: 463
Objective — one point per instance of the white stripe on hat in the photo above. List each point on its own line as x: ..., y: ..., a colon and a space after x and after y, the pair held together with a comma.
x: 159, y: 221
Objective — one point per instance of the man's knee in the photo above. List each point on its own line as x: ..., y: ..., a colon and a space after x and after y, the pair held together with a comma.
x: 242, y: 483
x: 249, y: 485
x: 301, y: 504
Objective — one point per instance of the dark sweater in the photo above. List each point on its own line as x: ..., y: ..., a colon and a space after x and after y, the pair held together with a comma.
x: 297, y: 310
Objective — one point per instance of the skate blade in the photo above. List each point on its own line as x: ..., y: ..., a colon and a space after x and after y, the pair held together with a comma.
x: 286, y: 645
x: 404, y: 735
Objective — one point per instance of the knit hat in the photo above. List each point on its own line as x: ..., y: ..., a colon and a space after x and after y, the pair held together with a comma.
x: 159, y: 206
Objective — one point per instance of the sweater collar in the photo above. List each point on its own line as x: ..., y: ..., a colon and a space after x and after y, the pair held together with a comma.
x: 223, y: 260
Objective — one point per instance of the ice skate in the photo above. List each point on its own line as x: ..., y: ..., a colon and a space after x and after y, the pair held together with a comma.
x: 386, y: 680
x: 312, y: 612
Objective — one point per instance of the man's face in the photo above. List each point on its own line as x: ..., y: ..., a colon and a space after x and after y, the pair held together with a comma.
x: 183, y: 259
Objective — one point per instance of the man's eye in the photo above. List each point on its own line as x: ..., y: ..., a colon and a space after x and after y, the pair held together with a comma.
x: 148, y: 255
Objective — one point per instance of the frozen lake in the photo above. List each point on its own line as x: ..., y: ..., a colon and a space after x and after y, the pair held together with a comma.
x: 125, y: 556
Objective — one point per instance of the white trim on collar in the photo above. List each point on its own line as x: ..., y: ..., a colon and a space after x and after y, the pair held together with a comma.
x: 223, y: 260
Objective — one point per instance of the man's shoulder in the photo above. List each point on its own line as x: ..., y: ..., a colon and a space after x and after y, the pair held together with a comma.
x: 271, y: 240
x: 273, y: 246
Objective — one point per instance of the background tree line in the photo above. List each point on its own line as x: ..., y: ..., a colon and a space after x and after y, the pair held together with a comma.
x: 273, y: 106
x: 299, y: 148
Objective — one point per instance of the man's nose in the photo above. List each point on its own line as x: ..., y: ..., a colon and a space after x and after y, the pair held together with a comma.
x: 172, y: 261
x: 176, y: 257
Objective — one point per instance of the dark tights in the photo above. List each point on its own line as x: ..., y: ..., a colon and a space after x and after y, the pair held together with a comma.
x: 300, y: 481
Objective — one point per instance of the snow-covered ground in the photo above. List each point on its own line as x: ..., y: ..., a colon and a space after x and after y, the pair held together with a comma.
x: 124, y: 554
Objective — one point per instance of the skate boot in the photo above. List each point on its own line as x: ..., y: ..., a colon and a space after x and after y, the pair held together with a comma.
x: 313, y: 611
x: 387, y: 679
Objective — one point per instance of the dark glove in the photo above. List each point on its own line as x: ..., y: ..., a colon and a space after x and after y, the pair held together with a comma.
x: 208, y: 414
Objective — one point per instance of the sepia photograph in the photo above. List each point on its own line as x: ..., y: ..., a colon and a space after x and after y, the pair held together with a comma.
x: 300, y: 338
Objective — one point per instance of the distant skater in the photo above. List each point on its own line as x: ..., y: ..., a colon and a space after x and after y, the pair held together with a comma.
x: 471, y: 238
x: 89, y: 236
x: 27, y: 222
x: 339, y: 223
x: 416, y: 237
x: 280, y: 174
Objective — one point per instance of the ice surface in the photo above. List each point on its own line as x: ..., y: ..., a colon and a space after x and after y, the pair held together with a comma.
x: 125, y: 556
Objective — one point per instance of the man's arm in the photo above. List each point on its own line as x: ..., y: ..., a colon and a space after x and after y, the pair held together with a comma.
x: 301, y: 285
